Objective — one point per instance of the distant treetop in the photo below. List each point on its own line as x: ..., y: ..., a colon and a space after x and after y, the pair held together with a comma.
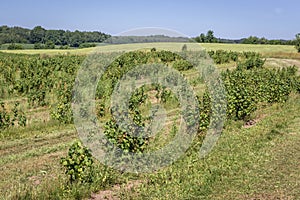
x: 39, y: 35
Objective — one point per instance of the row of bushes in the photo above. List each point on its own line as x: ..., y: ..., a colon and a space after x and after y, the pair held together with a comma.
x: 246, y: 59
x: 247, y: 89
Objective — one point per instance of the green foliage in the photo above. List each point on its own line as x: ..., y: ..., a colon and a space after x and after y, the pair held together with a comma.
x: 125, y: 139
x: 4, y: 117
x: 100, y: 109
x: 128, y: 60
x: 253, y: 60
x: 14, y: 46
x: 221, y: 56
x: 62, y: 112
x: 204, y: 110
x: 208, y: 38
x: 247, y: 88
x: 38, y: 46
x: 245, y: 60
x: 40, y: 35
x: 64, y: 47
x: 49, y: 45
x: 182, y: 65
x: 257, y: 40
x: 87, y: 45
x: 13, y: 117
x: 78, y: 164
x: 297, y: 42
x: 39, y: 77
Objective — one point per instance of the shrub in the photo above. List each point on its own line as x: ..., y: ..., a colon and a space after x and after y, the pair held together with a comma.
x: 38, y: 46
x: 13, y: 117
x: 182, y: 65
x: 14, y: 46
x: 62, y: 112
x: 87, y: 45
x: 78, y: 164
x: 184, y: 48
x: 252, y: 61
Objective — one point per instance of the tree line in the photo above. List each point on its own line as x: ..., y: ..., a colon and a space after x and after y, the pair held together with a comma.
x: 210, y: 38
x: 43, y: 38
x: 47, y: 39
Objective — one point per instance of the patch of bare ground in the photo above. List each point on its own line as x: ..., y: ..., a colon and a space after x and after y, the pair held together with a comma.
x: 111, y: 194
x: 252, y: 122
x: 278, y: 195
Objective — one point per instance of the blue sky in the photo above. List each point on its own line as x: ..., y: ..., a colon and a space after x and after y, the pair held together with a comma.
x: 227, y: 18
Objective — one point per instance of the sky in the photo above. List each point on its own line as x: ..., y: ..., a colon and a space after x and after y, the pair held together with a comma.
x: 232, y: 19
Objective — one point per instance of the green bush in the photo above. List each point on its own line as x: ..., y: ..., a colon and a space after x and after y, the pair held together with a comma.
x: 87, y: 45
x: 13, y: 117
x: 222, y: 57
x: 252, y: 61
x: 182, y: 65
x: 38, y: 46
x: 49, y: 45
x: 246, y: 88
x: 62, y: 112
x: 14, y: 46
x: 78, y: 164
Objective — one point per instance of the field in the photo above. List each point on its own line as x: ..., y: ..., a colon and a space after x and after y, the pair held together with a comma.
x: 256, y: 156
x: 285, y: 49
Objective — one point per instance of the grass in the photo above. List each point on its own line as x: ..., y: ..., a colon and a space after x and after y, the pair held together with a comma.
x: 268, y: 50
x: 259, y: 162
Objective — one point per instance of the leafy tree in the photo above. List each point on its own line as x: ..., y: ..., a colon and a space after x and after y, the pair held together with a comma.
x: 40, y: 35
x: 210, y: 38
x: 37, y: 35
x: 38, y: 46
x: 50, y: 45
x: 201, y: 38
x: 297, y: 42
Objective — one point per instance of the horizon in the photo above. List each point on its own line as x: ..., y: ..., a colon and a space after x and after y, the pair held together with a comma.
x: 230, y: 20
x: 172, y: 33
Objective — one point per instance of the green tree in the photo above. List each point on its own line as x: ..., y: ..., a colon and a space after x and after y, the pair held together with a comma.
x: 297, y: 42
x: 202, y: 38
x: 38, y: 46
x: 37, y: 35
x: 210, y: 38
x: 50, y: 45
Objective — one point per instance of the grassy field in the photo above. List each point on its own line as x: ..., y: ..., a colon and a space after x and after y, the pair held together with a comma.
x: 269, y: 50
x: 259, y: 161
